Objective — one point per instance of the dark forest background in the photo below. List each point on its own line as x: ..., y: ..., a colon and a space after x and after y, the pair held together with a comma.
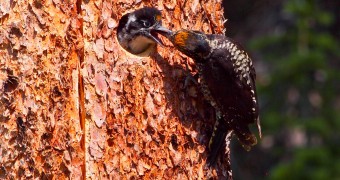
x: 295, y: 47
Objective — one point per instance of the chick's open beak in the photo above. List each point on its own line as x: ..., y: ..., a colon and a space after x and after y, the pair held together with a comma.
x: 158, y: 29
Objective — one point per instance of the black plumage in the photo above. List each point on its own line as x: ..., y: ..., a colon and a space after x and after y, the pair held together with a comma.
x: 227, y: 79
x: 137, y: 31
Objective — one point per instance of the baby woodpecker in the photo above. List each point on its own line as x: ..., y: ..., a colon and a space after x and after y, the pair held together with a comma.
x: 137, y: 31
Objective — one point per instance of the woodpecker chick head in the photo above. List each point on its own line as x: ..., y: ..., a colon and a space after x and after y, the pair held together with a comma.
x: 192, y: 43
x: 137, y: 31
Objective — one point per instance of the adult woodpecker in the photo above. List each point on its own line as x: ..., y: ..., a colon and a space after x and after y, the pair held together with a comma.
x: 227, y: 79
x: 137, y: 31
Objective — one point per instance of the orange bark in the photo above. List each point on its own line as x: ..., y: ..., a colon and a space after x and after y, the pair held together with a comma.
x: 39, y: 107
x: 63, y: 75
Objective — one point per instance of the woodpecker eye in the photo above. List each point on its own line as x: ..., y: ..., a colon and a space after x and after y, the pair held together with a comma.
x: 146, y: 23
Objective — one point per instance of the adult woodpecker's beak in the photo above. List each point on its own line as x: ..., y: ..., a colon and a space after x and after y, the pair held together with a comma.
x: 158, y: 29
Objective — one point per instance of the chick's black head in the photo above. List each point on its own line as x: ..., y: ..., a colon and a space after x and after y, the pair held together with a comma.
x: 137, y: 31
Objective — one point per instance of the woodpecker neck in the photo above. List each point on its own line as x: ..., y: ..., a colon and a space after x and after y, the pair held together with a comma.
x: 140, y: 44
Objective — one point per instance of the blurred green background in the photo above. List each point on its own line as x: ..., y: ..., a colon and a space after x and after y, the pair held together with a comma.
x: 295, y: 47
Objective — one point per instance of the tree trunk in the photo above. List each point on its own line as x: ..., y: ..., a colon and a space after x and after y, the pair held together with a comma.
x: 75, y: 104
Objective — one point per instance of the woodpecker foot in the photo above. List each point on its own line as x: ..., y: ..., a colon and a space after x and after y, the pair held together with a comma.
x: 191, y: 79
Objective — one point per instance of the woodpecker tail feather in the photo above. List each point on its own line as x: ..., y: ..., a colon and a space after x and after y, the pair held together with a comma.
x: 245, y: 136
x: 217, y: 142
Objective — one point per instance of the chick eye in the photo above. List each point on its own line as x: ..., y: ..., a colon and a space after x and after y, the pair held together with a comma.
x: 146, y: 24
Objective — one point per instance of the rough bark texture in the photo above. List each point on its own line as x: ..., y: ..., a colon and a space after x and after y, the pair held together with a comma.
x: 63, y: 75
x: 39, y: 103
